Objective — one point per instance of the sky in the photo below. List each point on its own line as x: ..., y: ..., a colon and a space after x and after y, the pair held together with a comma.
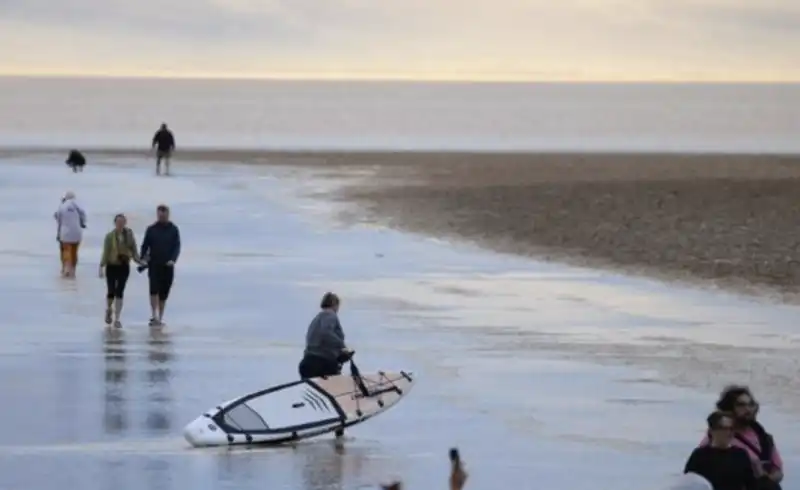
x: 572, y: 40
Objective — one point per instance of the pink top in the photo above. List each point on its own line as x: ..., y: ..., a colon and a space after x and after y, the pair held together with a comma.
x: 751, y: 437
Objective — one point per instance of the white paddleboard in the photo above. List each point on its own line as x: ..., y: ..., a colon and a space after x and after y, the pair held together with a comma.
x: 299, y: 410
x: 689, y: 481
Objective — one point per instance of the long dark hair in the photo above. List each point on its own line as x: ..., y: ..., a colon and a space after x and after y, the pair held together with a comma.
x: 727, y: 402
x: 731, y: 393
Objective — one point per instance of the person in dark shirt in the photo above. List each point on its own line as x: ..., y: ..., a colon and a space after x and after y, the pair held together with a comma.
x: 76, y: 161
x: 160, y: 248
x: 725, y: 466
x: 164, y: 143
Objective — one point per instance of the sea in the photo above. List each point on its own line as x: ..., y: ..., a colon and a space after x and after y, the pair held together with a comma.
x: 762, y: 118
x: 543, y: 375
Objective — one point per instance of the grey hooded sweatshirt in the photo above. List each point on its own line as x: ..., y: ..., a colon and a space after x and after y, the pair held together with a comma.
x: 325, y: 337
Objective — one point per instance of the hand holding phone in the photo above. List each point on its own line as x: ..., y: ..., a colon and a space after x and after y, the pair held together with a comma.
x: 457, y: 474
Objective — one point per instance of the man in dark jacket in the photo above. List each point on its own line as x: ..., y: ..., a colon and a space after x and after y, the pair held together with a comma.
x: 164, y: 143
x: 160, y: 248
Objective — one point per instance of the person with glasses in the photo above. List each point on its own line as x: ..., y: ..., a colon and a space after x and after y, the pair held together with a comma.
x: 724, y: 465
x: 751, y: 436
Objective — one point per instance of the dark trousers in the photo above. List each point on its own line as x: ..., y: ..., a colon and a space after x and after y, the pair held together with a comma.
x: 315, y: 367
x: 160, y: 277
x: 116, y: 279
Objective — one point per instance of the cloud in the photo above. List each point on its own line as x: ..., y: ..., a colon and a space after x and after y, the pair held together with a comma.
x: 624, y: 39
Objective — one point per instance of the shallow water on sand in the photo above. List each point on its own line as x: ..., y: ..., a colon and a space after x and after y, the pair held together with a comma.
x: 91, y: 409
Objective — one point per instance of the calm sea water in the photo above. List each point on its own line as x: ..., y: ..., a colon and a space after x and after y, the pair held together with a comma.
x: 386, y: 115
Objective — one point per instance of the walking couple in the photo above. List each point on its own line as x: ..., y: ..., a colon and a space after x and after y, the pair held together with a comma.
x: 158, y: 254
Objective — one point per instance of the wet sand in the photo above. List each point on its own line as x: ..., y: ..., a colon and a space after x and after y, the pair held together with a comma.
x: 729, y: 220
x: 523, y: 365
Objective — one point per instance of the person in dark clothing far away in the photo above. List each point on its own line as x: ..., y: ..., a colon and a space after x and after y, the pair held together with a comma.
x: 164, y: 143
x: 325, y: 350
x: 724, y: 465
x: 76, y: 161
x: 161, y: 247
x: 751, y: 436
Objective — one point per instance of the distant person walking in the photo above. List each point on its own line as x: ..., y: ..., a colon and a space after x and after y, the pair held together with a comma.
x: 161, y: 247
x: 71, y: 220
x: 76, y: 161
x: 119, y: 247
x: 164, y: 143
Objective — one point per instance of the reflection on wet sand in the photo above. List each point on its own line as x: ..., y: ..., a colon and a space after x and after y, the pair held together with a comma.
x: 158, y: 376
x: 113, y: 472
x: 319, y: 464
x: 157, y: 474
x: 327, y: 464
x: 69, y: 387
x: 114, y: 409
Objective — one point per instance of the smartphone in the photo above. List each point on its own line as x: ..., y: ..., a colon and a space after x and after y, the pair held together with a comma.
x: 454, y: 456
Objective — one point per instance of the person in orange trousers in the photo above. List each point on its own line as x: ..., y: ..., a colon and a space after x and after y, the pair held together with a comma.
x: 71, y: 220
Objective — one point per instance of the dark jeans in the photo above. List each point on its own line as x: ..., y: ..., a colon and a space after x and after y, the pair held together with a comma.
x: 116, y: 279
x: 163, y: 155
x: 315, y: 367
x: 160, y: 277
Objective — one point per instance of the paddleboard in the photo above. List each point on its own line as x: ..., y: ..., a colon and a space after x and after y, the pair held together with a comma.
x: 689, y: 481
x: 299, y: 409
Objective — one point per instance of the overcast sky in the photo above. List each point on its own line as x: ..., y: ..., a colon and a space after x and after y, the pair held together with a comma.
x: 472, y: 39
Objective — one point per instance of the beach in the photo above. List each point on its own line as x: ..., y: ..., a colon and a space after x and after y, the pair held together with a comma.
x: 562, y: 267
x: 524, y: 365
x: 727, y: 220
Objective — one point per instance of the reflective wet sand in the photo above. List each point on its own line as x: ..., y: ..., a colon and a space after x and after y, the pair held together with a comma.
x: 543, y: 375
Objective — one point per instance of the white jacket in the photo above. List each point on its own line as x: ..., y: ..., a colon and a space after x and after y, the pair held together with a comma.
x: 71, y: 218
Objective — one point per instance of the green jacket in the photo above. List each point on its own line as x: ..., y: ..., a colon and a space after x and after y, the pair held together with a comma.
x: 118, y: 245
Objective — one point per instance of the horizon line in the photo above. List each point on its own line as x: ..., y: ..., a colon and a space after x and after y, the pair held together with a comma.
x: 294, y: 77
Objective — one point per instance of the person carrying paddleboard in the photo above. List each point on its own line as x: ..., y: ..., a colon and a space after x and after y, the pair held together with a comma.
x: 325, y: 350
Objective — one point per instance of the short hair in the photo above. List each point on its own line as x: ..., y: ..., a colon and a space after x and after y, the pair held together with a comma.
x: 329, y: 300
x: 729, y: 395
x: 716, y: 417
x: 163, y: 208
x: 120, y: 215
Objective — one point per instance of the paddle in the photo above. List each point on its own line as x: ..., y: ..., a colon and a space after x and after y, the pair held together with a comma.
x: 356, y: 374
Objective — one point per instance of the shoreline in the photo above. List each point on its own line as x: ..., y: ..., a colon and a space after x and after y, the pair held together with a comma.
x: 702, y: 220
x: 725, y: 220
x: 365, y: 156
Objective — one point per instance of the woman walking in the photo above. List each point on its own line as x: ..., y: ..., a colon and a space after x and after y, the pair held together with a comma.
x: 119, y: 247
x: 70, y: 222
